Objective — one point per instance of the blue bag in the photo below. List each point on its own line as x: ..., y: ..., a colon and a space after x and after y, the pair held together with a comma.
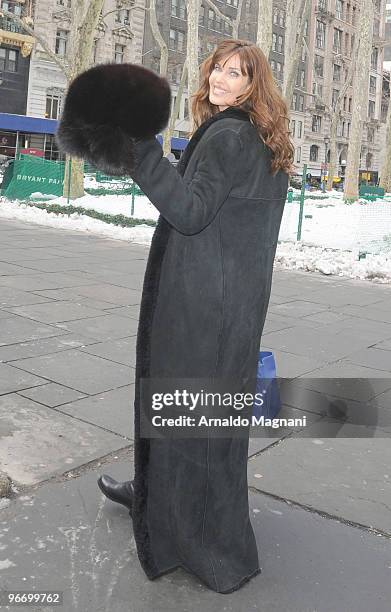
x: 267, y: 386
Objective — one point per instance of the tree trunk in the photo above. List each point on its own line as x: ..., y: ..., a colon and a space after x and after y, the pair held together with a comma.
x: 193, y: 12
x: 159, y: 38
x: 175, y: 112
x: 296, y: 16
x: 264, y: 26
x: 86, y: 18
x: 360, y: 99
x: 236, y: 23
x: 336, y: 115
x: 385, y: 172
x: 73, y: 184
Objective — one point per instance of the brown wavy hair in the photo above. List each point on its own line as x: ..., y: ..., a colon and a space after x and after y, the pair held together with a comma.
x: 263, y: 101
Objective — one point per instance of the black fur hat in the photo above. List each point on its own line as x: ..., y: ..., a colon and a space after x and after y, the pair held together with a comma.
x: 108, y: 106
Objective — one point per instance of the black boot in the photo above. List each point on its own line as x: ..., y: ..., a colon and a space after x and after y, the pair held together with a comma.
x: 120, y: 492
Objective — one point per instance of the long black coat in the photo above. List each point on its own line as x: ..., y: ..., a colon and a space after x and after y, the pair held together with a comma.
x: 205, y: 296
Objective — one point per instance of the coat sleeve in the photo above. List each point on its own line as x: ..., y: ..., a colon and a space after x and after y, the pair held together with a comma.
x: 189, y: 205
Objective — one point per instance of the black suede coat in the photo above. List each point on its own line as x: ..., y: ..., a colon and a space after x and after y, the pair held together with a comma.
x: 205, y: 296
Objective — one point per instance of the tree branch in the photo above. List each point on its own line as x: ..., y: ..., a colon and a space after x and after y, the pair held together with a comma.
x: 214, y: 7
x: 130, y: 8
x: 20, y: 22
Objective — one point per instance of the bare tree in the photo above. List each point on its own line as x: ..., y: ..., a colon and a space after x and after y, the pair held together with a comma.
x: 297, y: 13
x: 264, y: 26
x: 190, y: 76
x: 336, y: 116
x: 84, y: 17
x: 360, y: 98
x: 385, y: 172
x: 334, y: 113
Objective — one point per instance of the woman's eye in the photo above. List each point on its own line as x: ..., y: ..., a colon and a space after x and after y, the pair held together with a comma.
x: 232, y: 72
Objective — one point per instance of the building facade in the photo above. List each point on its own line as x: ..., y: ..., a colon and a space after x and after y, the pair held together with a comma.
x: 331, y: 40
x: 15, y: 52
x: 119, y: 39
x: 125, y: 35
x: 324, y: 63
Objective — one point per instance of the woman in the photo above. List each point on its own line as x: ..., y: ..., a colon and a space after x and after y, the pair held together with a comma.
x: 205, y: 296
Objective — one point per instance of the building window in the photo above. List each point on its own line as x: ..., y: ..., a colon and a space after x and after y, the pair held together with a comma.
x: 316, y: 123
x: 300, y: 78
x: 371, y: 109
x: 322, y: 5
x: 280, y: 45
x: 354, y: 11
x: 177, y: 40
x: 301, y: 103
x: 61, y: 42
x: 317, y: 89
x: 8, y: 59
x: 371, y: 135
x: 66, y: 3
x: 298, y: 154
x: 339, y: 128
x: 314, y: 151
x: 337, y: 40
x: 339, y: 9
x: 334, y: 98
x: 350, y: 105
x: 201, y: 15
x: 346, y: 46
x: 3, y: 57
x: 211, y: 18
x: 53, y: 106
x: 320, y: 34
x: 374, y: 58
x: 299, y: 128
x: 372, y: 84
x: 351, y: 44
x: 318, y: 65
x: 293, y: 123
x: 336, y: 73
x: 384, y: 110
x: 51, y: 148
x: 123, y: 16
x: 119, y: 53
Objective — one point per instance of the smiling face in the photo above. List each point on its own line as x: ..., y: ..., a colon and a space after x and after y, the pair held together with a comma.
x: 226, y: 82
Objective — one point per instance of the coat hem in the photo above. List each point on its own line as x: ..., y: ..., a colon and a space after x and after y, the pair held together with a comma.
x: 222, y: 591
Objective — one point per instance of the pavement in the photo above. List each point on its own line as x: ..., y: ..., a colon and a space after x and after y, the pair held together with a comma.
x: 320, y: 495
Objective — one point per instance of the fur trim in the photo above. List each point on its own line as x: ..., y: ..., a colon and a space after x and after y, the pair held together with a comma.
x: 108, y: 106
x: 148, y: 303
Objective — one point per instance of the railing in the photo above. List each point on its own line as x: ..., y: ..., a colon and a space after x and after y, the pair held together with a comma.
x: 9, y: 25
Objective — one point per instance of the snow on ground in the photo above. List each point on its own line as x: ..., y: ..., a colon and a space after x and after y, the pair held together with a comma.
x: 331, y: 223
x: 333, y: 233
x: 299, y: 256
x: 111, y: 204
x: 141, y: 234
